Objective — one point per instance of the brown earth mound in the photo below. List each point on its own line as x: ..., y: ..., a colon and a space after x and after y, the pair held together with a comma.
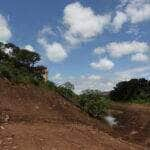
x: 34, y: 119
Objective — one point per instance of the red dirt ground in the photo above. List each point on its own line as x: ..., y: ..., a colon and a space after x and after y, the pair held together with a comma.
x: 34, y: 119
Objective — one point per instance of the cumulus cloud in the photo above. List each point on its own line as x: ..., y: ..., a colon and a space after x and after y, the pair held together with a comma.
x: 99, y: 50
x: 140, y: 57
x: 30, y: 48
x: 103, y: 64
x: 134, y: 11
x: 136, y: 72
x: 82, y: 23
x: 138, y: 10
x: 46, y: 30
x: 119, y: 20
x: 119, y: 49
x: 5, y: 32
x: 54, y: 51
x: 94, y: 77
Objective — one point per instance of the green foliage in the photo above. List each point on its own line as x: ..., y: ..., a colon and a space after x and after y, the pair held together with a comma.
x: 66, y: 92
x: 93, y: 102
x: 25, y: 57
x: 135, y: 90
x: 48, y: 85
x: 16, y: 65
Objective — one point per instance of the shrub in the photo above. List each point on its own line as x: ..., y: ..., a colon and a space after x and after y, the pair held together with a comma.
x: 94, y: 103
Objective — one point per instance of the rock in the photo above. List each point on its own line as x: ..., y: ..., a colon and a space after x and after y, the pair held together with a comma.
x: 1, y: 142
x: 134, y: 132
x: 1, y: 127
x: 14, y: 147
x: 37, y: 107
x: 6, y: 119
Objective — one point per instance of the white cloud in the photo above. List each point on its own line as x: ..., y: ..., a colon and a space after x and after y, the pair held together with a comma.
x: 30, y: 48
x: 82, y: 23
x: 54, y: 51
x: 46, y: 30
x: 103, y: 64
x: 134, y: 11
x: 119, y: 49
x: 94, y: 77
x: 140, y: 57
x: 134, y: 30
x: 99, y: 50
x: 136, y: 72
x: 119, y: 20
x: 57, y: 78
x: 5, y: 32
x: 138, y: 11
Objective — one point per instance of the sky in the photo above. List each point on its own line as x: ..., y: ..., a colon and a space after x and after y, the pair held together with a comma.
x: 92, y: 43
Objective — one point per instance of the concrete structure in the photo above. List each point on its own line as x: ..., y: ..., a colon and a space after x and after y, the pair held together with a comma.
x: 43, y: 71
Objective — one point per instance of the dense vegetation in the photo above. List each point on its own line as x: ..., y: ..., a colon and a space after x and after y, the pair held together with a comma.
x: 93, y: 102
x: 135, y: 90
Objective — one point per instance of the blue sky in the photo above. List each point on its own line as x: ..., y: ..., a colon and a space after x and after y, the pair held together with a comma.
x: 93, y: 44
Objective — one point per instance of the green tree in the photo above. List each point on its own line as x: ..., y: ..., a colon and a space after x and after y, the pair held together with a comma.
x: 133, y: 90
x: 93, y: 102
x: 25, y: 57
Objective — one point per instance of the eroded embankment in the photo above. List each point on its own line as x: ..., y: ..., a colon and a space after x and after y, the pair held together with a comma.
x: 133, y: 122
x: 34, y: 119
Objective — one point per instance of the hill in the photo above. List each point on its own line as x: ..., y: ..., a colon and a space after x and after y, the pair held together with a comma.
x: 35, y: 119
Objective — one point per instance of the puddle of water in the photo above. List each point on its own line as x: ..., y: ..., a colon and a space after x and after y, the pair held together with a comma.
x: 110, y: 120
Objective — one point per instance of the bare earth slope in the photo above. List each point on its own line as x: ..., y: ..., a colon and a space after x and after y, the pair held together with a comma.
x: 34, y: 119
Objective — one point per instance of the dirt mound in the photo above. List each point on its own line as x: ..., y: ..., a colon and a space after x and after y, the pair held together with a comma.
x: 35, y: 119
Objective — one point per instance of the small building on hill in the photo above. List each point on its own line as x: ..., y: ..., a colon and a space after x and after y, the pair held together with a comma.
x: 42, y: 70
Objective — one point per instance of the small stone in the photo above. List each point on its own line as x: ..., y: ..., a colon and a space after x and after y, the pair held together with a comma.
x: 1, y: 142
x: 10, y: 138
x: 134, y: 132
x: 2, y: 127
x: 14, y: 147
x: 36, y: 107
x: 6, y: 118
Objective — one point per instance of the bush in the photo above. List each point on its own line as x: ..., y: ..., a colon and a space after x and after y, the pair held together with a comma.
x: 93, y: 103
x: 67, y: 93
x: 96, y: 108
x: 5, y: 72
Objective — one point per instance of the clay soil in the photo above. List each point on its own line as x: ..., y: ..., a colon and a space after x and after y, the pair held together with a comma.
x: 35, y: 119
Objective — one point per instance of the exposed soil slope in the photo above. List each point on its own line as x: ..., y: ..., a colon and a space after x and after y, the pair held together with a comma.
x: 34, y: 119
x: 133, y: 122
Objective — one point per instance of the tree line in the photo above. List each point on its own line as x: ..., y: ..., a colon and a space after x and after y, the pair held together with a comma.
x: 134, y: 90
